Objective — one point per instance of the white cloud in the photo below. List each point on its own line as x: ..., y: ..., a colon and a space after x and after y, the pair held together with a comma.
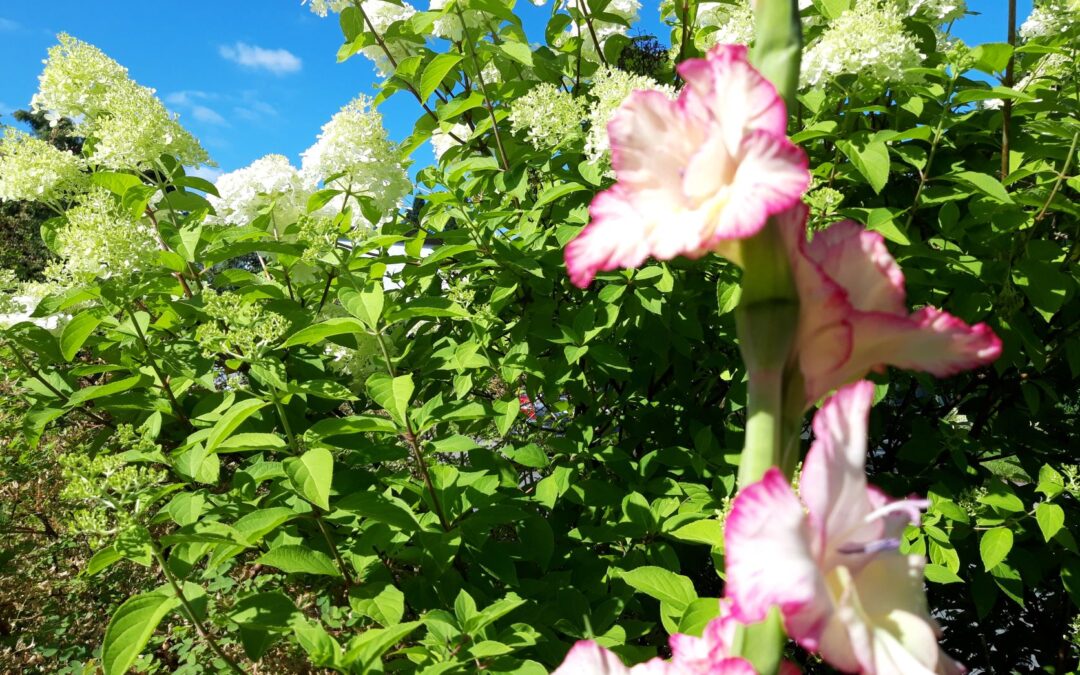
x: 253, y: 110
x: 8, y: 25
x: 277, y: 61
x: 208, y: 115
x: 210, y: 173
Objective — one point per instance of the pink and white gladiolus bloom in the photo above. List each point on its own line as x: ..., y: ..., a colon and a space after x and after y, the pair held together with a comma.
x: 694, y: 173
x: 853, y: 316
x: 709, y: 654
x: 829, y: 558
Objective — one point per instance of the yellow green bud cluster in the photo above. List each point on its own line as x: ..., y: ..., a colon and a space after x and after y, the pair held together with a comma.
x: 238, y: 327
x: 33, y: 170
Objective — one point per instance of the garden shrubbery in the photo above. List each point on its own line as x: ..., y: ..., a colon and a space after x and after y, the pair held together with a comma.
x: 284, y: 423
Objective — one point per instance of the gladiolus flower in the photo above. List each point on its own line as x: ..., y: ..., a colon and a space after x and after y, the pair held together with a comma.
x: 691, y: 174
x: 709, y: 654
x: 830, y: 561
x: 853, y: 316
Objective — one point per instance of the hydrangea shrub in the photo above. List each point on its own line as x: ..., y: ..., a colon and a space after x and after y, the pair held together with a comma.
x: 540, y: 408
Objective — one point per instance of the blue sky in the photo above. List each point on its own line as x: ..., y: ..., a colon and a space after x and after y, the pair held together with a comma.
x: 253, y: 77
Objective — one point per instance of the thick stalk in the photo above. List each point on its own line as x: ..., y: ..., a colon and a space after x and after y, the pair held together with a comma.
x: 777, y: 49
x: 160, y: 375
x: 33, y: 372
x: 924, y: 174
x: 583, y: 5
x: 382, y: 44
x: 1062, y: 175
x: 1006, y: 108
x: 765, y: 320
x: 190, y: 612
x: 414, y: 443
x: 345, y: 575
x: 483, y: 90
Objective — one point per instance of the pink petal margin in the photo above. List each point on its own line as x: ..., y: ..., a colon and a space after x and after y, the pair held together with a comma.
x: 770, y: 561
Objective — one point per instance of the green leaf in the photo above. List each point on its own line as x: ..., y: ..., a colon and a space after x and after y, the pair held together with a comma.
x: 379, y: 507
x: 320, y: 199
x: 385, y: 604
x: 709, y: 532
x: 435, y: 72
x: 254, y: 526
x: 529, y: 455
x: 366, y: 305
x: 871, y: 159
x: 392, y: 394
x: 994, y: 546
x: 984, y: 183
x: 939, y: 574
x: 433, y: 308
x: 510, y: 409
x: 99, y: 390
x: 673, y: 589
x: 1051, y: 519
x: 727, y: 296
x: 992, y: 57
x: 697, y: 615
x: 1051, y: 482
x: 231, y: 420
x: 116, y: 183
x: 354, y: 424
x: 311, y: 475
x: 556, y: 191
x: 271, y: 610
x: 342, y: 325
x: 78, y: 330
x: 131, y: 627
x: 297, y: 559
x: 186, y: 507
x: 102, y: 560
x: 368, y: 646
x: 518, y: 51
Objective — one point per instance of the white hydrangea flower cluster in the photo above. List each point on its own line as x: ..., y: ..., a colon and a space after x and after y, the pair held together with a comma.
x: 626, y: 9
x: 321, y: 7
x: 33, y: 170
x: 247, y: 192
x: 610, y: 87
x: 76, y: 80
x: 869, y: 40
x: 450, y: 27
x: 441, y: 141
x: 137, y: 129
x: 721, y: 24
x: 940, y: 11
x: 354, y: 153
x: 100, y: 239
x: 548, y: 116
x: 357, y: 364
x: 128, y: 127
x: 1051, y: 17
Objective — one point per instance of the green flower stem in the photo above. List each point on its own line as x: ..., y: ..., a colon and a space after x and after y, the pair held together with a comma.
x: 778, y: 46
x: 765, y: 320
x: 762, y: 643
x: 189, y: 611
